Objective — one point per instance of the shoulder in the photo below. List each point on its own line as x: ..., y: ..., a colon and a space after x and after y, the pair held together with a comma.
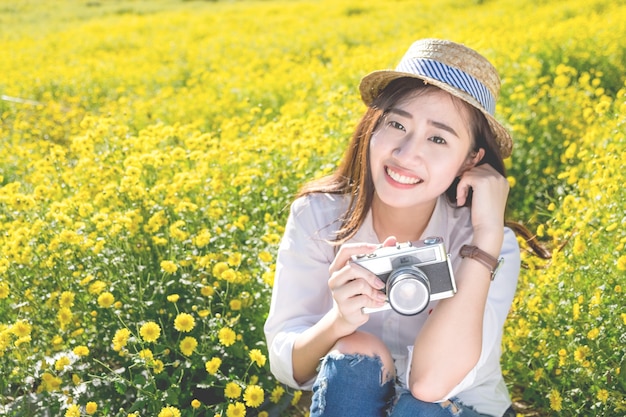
x: 321, y: 204
x: 320, y: 213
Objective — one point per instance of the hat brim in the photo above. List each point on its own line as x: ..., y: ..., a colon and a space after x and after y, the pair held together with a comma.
x: 372, y: 84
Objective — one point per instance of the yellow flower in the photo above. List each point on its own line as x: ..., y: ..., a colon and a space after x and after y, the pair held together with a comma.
x: 81, y: 350
x: 512, y: 181
x: 235, y: 305
x: 253, y: 396
x: 235, y: 259
x: 150, y: 331
x: 576, y: 311
x: 621, y: 263
x: 66, y: 299
x: 184, y: 322
x: 195, y: 404
x: 120, y: 339
x: 106, y: 300
x: 188, y: 345
x: 227, y: 336
x: 72, y: 411
x: 257, y: 357
x: 213, y: 365
x: 603, y: 395
x: 229, y: 275
x: 541, y: 230
x: 296, y: 397
x: 236, y: 410
x: 232, y: 390
x: 219, y: 269
x: 96, y: 287
x: 50, y: 382
x: 4, y: 290
x: 593, y: 333
x: 555, y: 400
x: 277, y: 394
x: 581, y: 352
x: 207, y: 291
x: 21, y: 328
x: 158, y: 366
x: 146, y: 355
x: 169, y: 411
x: 169, y: 267
x: 64, y: 316
x: 172, y: 298
x: 57, y: 340
x: 91, y: 407
x: 61, y: 363
x: 265, y: 256
x: 202, y: 239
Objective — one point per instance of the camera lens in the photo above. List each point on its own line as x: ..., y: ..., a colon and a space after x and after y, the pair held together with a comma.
x: 408, y: 290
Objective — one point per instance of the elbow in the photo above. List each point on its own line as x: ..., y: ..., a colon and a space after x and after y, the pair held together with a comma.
x: 428, y: 390
x: 435, y: 385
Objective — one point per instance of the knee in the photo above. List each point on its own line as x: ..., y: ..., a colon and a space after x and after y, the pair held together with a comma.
x: 362, y: 343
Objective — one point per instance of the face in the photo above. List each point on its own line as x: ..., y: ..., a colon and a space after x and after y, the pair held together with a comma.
x: 418, y: 149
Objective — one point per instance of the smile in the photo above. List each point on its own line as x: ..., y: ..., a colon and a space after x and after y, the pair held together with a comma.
x: 402, y: 179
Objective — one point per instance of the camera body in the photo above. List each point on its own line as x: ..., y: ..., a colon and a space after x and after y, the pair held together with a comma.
x: 414, y: 273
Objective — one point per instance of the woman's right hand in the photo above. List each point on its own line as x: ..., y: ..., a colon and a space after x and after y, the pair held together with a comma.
x: 353, y: 287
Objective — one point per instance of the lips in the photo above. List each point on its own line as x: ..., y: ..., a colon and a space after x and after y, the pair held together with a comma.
x: 402, y: 179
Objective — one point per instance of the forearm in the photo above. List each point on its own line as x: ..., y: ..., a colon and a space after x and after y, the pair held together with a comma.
x: 450, y: 343
x: 313, y: 344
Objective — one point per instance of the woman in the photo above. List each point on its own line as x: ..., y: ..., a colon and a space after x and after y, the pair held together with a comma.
x: 425, y: 160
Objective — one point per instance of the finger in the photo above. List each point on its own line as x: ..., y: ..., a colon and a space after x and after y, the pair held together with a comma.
x: 354, y: 307
x: 358, y: 288
x: 347, y: 251
x: 363, y: 280
x: 462, y: 190
x: 390, y: 241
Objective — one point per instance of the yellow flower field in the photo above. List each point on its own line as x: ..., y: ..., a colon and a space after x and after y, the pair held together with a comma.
x: 149, y: 151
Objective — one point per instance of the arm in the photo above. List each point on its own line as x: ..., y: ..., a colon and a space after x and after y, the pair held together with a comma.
x: 317, y: 297
x: 451, y: 342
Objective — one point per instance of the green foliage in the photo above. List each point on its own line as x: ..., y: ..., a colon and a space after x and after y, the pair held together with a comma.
x: 149, y: 152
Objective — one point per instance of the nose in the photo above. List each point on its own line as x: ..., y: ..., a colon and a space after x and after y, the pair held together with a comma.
x: 410, y: 148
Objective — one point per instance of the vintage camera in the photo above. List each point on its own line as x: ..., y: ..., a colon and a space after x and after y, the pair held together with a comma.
x: 414, y: 273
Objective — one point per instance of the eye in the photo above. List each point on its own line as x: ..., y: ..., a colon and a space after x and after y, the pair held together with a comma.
x: 438, y: 140
x: 396, y: 125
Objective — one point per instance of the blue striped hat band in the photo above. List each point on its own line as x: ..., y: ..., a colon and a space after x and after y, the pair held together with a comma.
x: 452, y: 76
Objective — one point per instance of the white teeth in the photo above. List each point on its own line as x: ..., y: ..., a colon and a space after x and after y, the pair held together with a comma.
x: 402, y: 179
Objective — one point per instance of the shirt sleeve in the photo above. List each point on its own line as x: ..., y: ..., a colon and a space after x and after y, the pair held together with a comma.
x: 300, y: 296
x: 499, y: 302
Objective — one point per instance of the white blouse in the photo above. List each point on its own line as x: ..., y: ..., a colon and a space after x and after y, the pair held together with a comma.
x: 301, y: 296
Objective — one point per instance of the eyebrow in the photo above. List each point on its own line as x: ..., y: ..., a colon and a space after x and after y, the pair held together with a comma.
x: 434, y: 123
x: 443, y: 126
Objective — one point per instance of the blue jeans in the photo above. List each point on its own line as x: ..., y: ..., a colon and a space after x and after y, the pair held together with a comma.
x: 353, y: 385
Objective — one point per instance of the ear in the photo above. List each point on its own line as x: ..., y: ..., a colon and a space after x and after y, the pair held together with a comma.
x: 472, y: 159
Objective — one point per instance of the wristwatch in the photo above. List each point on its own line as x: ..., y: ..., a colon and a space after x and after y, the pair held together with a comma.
x: 473, y: 252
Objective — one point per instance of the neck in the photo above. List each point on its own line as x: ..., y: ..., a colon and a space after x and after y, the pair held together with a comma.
x: 406, y: 223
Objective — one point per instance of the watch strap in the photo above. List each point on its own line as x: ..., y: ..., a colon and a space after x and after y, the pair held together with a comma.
x: 474, y: 252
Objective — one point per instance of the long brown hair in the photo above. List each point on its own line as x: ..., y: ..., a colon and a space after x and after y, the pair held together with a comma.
x: 353, y: 176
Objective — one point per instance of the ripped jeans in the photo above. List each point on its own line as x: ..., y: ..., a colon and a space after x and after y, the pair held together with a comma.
x: 353, y: 385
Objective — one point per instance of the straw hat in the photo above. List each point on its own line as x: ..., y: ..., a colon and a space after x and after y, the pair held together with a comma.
x: 454, y: 68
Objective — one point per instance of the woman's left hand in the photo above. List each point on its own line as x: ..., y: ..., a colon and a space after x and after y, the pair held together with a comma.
x: 490, y: 191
